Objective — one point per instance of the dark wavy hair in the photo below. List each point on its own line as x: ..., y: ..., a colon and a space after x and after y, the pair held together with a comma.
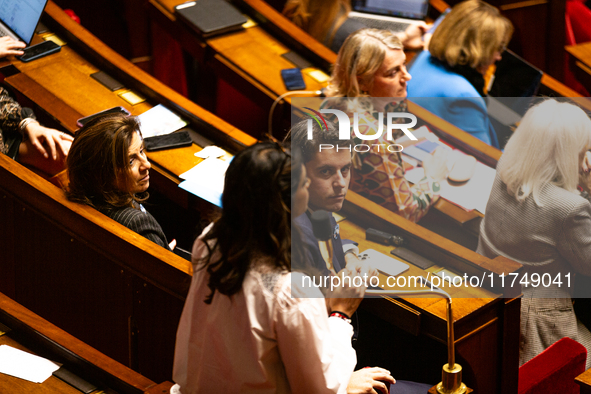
x: 255, y: 220
x: 97, y: 157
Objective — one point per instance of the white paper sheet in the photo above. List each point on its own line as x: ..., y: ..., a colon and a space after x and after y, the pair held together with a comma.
x: 15, y: 362
x: 211, y: 151
x: 206, y: 179
x: 473, y: 194
x: 388, y: 265
x: 159, y: 120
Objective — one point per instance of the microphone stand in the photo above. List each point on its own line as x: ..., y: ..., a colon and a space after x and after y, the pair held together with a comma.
x: 451, y: 374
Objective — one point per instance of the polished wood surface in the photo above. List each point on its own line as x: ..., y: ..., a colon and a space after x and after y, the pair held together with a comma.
x: 253, y: 51
x: 115, y: 289
x: 486, y: 319
x: 584, y: 382
x: 323, y: 57
x: 580, y: 61
x: 257, y: 55
x: 139, y: 289
x: 61, y: 85
x: 29, y: 331
x: 100, y: 281
x: 89, y: 49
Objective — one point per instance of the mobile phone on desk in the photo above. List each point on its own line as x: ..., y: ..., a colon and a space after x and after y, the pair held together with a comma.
x: 115, y: 110
x: 39, y: 50
x: 177, y: 139
x: 293, y: 79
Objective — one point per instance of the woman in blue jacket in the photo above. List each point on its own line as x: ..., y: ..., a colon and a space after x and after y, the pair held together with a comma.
x: 448, y: 79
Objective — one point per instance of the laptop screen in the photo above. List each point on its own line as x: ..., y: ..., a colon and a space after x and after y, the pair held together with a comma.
x: 515, y: 77
x: 412, y: 9
x: 22, y: 16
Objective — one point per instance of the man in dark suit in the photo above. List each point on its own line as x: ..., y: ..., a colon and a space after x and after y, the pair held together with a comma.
x: 329, y: 171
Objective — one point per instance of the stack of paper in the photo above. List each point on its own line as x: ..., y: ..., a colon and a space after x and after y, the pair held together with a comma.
x: 470, y: 195
x: 159, y: 120
x: 206, y: 179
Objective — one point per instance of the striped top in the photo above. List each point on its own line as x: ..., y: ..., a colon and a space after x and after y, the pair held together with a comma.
x: 140, y: 221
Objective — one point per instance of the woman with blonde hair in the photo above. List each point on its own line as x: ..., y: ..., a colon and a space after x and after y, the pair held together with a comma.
x: 328, y: 21
x: 537, y: 217
x: 467, y: 42
x: 370, y: 76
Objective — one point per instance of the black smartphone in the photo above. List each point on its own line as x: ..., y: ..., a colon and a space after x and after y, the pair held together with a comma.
x: 293, y: 79
x: 115, y: 110
x: 168, y: 141
x: 39, y: 50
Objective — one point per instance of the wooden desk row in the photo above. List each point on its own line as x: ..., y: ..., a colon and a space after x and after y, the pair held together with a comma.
x: 250, y: 61
x: 123, y: 295
x: 22, y: 329
x: 91, y: 276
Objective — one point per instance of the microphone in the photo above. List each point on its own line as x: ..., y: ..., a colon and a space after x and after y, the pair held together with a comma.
x: 322, y: 228
x: 451, y: 373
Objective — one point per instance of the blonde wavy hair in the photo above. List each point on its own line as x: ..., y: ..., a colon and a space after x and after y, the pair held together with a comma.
x: 318, y: 18
x: 360, y: 57
x: 547, y: 147
x: 470, y: 35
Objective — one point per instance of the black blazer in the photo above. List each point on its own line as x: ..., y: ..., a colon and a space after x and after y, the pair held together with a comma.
x: 141, y: 222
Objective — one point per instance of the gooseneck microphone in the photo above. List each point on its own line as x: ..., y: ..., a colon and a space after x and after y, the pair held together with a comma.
x: 322, y: 228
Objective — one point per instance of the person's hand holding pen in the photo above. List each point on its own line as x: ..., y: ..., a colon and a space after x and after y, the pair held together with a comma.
x: 8, y: 46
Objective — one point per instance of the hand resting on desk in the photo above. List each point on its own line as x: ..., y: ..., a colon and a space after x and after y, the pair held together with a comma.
x: 44, y: 148
x: 8, y: 46
x: 45, y: 139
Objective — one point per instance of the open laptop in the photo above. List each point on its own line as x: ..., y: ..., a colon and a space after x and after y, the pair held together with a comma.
x: 515, y: 82
x: 395, y: 15
x: 19, y: 18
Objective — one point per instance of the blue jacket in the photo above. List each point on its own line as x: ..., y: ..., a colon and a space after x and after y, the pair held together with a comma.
x: 450, y: 96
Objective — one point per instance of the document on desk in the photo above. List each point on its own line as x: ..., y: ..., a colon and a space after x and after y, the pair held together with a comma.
x: 23, y: 365
x: 469, y: 195
x: 388, y: 265
x: 206, y: 180
x: 160, y: 120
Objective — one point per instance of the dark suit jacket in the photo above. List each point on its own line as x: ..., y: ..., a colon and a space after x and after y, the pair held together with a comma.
x: 141, y: 222
x: 312, y: 251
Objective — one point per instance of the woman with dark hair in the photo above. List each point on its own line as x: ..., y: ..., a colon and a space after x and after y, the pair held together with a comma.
x: 108, y: 170
x: 249, y: 324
